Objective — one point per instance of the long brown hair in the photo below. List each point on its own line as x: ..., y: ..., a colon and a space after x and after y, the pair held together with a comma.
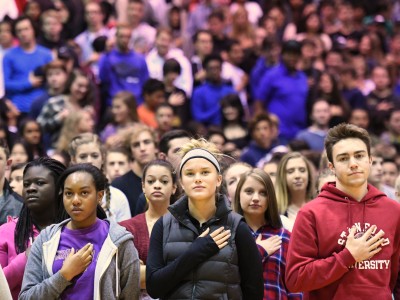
x: 271, y: 214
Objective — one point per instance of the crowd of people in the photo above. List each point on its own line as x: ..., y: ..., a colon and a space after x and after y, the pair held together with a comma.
x: 171, y: 149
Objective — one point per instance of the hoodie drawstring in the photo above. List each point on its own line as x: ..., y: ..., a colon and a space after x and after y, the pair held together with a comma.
x: 117, y: 275
x: 363, y: 215
x: 349, y: 214
x: 349, y: 217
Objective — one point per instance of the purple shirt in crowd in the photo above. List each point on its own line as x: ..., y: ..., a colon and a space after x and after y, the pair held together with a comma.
x: 83, y: 284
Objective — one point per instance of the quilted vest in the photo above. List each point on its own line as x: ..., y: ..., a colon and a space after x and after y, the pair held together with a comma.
x: 216, y: 278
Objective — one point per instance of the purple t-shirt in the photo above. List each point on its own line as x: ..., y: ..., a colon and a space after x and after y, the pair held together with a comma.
x: 82, y: 285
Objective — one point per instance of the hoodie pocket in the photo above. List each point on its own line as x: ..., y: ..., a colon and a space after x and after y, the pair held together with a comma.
x: 362, y: 291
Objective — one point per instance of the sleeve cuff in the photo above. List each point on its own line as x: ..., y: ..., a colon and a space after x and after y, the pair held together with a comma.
x: 345, y: 258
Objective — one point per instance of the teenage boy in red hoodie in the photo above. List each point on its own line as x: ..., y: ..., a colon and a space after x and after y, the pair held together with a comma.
x: 345, y: 244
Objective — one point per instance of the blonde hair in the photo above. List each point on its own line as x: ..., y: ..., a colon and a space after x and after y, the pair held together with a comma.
x: 282, y: 191
x: 200, y: 143
x: 70, y: 129
x: 133, y: 134
x: 83, y: 139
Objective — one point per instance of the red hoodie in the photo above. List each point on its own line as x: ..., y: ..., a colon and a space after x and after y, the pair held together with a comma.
x: 318, y: 262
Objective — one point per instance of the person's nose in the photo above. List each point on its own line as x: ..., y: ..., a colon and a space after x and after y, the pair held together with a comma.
x: 197, y: 177
x: 157, y: 185
x: 353, y: 162
x: 75, y: 200
x: 31, y: 188
x: 255, y: 198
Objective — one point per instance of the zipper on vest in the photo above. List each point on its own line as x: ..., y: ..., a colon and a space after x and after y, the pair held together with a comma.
x: 194, y: 286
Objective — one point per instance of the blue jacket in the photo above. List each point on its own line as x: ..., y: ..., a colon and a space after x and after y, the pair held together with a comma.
x: 123, y: 72
x: 253, y: 153
x: 205, y: 102
x: 17, y: 64
x: 285, y: 95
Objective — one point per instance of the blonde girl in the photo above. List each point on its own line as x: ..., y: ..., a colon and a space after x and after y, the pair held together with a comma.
x: 200, y: 238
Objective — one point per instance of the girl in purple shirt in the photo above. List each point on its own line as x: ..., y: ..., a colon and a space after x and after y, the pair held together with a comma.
x: 84, y: 257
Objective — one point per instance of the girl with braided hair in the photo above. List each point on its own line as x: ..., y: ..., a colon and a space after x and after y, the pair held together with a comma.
x: 87, y: 148
x: 83, y: 257
x: 40, y: 209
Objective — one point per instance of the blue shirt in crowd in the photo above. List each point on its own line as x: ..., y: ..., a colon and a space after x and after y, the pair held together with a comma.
x: 17, y: 65
x: 205, y: 102
x: 123, y: 72
x: 253, y: 154
x: 257, y: 73
x: 285, y: 95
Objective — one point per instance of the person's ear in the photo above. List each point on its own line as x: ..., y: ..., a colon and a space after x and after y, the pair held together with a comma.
x: 100, y: 196
x: 174, y: 187
x: 331, y: 167
x: 162, y: 155
x: 8, y: 163
x: 219, y: 180
x: 181, y: 184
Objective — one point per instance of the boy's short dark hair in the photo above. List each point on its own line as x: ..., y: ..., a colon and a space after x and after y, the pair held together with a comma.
x: 196, y: 35
x: 211, y: 57
x: 270, y: 42
x: 291, y: 46
x: 152, y: 85
x: 171, y: 66
x: 345, y: 131
x: 257, y: 119
x: 231, y: 43
x: 19, y: 20
x: 217, y: 14
x: 7, y: 21
x: 169, y: 136
x: 348, y: 70
x: 99, y: 44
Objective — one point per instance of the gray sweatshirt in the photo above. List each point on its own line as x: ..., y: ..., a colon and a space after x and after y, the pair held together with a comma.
x: 118, y: 255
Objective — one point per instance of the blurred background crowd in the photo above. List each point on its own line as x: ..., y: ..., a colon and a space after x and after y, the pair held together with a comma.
x: 259, y: 79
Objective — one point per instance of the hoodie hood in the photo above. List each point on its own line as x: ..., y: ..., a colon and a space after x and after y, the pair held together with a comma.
x: 119, y: 234
x: 330, y: 191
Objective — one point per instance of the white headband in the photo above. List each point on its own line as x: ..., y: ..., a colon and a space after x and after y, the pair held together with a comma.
x: 199, y: 153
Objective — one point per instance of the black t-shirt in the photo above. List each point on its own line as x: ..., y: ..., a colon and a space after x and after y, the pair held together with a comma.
x: 131, y: 185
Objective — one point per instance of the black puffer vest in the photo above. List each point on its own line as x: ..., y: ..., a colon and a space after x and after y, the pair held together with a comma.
x: 216, y: 278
